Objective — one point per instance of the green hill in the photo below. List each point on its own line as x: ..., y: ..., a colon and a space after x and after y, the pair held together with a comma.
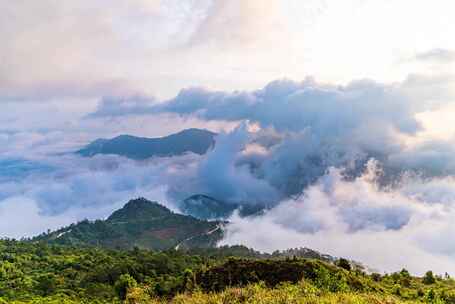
x: 140, y: 223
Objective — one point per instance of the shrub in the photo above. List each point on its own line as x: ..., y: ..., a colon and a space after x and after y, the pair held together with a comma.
x: 345, y: 264
x: 124, y: 282
x: 376, y: 277
x: 405, y: 281
x: 330, y: 281
x: 47, y: 284
x: 431, y: 296
x: 396, y: 290
x: 429, y: 278
x: 448, y: 297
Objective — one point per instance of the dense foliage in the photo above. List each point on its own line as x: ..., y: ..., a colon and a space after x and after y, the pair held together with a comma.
x: 28, y: 271
x: 43, y: 273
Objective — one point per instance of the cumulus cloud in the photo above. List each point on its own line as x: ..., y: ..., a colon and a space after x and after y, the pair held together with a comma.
x: 289, y: 105
x: 225, y: 179
x: 307, y: 127
x: 325, y: 125
x: 386, y: 229
x: 123, y: 106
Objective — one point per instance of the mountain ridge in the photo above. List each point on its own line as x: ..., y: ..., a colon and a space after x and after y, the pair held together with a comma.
x: 194, y: 140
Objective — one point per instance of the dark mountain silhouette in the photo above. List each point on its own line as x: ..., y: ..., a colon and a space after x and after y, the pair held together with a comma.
x: 190, y: 140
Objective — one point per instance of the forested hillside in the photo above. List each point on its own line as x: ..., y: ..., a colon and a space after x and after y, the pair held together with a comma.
x: 140, y: 223
x: 42, y: 273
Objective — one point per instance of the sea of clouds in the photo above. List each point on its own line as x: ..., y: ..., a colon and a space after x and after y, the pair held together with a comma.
x: 349, y: 170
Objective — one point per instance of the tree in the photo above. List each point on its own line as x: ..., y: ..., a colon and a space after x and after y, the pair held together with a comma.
x: 189, y: 279
x: 405, y: 279
x: 429, y: 278
x: 123, y: 284
x: 343, y: 263
x: 47, y: 283
x: 376, y: 277
x: 405, y: 273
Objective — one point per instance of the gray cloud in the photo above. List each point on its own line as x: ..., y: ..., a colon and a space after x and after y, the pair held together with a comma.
x: 321, y: 125
x: 288, y: 105
x: 123, y: 106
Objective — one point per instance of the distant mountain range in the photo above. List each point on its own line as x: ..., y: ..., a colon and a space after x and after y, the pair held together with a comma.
x: 190, y: 140
x: 143, y: 224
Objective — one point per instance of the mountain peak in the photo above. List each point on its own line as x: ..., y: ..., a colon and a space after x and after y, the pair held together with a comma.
x: 140, y: 223
x: 139, y: 208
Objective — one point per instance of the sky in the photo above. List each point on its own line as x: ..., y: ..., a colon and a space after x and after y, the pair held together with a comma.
x: 336, y: 114
x: 87, y: 49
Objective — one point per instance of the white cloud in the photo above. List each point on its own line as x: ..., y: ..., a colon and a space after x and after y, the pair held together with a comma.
x: 438, y: 55
x: 65, y: 189
x: 390, y: 229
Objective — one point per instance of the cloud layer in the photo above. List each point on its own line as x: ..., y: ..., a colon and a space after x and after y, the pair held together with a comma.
x: 71, y: 188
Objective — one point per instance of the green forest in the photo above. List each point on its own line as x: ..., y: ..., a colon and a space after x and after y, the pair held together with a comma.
x: 38, y: 272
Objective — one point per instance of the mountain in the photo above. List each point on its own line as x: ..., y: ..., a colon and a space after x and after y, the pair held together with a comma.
x: 140, y: 223
x: 190, y: 140
x: 205, y: 207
